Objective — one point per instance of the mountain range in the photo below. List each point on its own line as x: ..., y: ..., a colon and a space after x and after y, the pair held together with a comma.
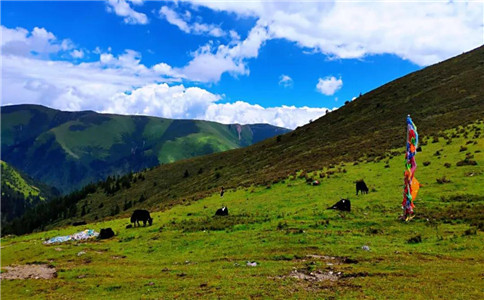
x: 68, y: 150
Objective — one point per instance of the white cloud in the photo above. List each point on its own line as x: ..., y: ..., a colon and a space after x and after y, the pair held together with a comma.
x: 172, y: 17
x: 329, y: 85
x: 123, y: 9
x: 209, y: 62
x: 234, y: 35
x: 180, y: 21
x: 285, y: 81
x: 245, y: 113
x: 121, y: 84
x: 39, y: 42
x: 77, y: 53
x: 195, y: 103
x: 422, y: 32
x: 28, y: 78
x: 177, y: 102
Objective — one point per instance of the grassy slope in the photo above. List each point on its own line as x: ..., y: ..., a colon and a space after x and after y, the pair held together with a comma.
x: 438, y: 97
x: 17, y: 182
x: 278, y: 227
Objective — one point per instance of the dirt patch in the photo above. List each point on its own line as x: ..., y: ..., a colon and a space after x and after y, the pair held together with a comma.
x: 29, y: 271
x: 316, y: 275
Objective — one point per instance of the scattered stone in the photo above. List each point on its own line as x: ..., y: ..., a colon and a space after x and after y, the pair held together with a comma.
x: 81, y: 253
x: 251, y: 263
x: 118, y: 256
x: 58, y: 249
x: 366, y: 248
x: 316, y: 275
x: 29, y: 271
x: 81, y: 276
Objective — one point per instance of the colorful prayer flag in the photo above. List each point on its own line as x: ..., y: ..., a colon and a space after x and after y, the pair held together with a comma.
x: 411, y: 183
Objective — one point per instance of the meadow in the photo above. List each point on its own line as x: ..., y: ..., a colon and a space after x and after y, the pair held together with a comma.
x: 301, y: 249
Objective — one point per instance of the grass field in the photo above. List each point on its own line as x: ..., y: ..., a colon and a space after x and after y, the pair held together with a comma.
x: 285, y: 228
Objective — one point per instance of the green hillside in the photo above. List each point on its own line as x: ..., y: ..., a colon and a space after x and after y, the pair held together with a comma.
x: 71, y: 149
x: 20, y: 192
x: 301, y: 249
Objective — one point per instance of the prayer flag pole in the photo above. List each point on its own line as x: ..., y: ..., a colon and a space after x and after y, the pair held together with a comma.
x: 411, y: 184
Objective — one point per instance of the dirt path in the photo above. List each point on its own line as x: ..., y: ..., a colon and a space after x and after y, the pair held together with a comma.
x: 28, y: 271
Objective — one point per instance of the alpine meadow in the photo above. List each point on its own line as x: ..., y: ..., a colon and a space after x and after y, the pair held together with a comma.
x: 185, y: 149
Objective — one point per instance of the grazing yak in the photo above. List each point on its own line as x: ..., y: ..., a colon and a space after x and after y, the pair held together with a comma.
x: 343, y: 205
x: 141, y: 215
x: 224, y: 211
x: 361, y: 187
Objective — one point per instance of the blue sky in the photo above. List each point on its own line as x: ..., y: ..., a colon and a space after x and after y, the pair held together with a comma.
x: 232, y: 62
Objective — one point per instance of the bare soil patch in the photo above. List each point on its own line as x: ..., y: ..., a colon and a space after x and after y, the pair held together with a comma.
x: 34, y: 271
x: 316, y: 275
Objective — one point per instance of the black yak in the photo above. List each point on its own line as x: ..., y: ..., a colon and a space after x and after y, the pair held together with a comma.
x: 141, y: 215
x: 106, y: 233
x: 224, y: 211
x: 343, y: 205
x: 361, y: 187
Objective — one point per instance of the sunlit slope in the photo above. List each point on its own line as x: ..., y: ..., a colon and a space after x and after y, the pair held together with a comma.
x: 20, y: 192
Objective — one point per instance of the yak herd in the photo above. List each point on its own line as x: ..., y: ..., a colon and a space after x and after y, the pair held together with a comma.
x: 141, y: 215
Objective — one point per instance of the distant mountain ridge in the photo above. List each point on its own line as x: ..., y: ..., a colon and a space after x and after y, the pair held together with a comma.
x: 70, y: 149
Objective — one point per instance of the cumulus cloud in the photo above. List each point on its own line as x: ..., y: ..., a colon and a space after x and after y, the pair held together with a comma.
x: 31, y: 78
x: 122, y: 84
x: 179, y: 21
x: 210, y: 62
x: 329, y: 85
x: 246, y: 113
x: 123, y: 9
x: 285, y: 81
x: 423, y: 33
x: 195, y: 103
